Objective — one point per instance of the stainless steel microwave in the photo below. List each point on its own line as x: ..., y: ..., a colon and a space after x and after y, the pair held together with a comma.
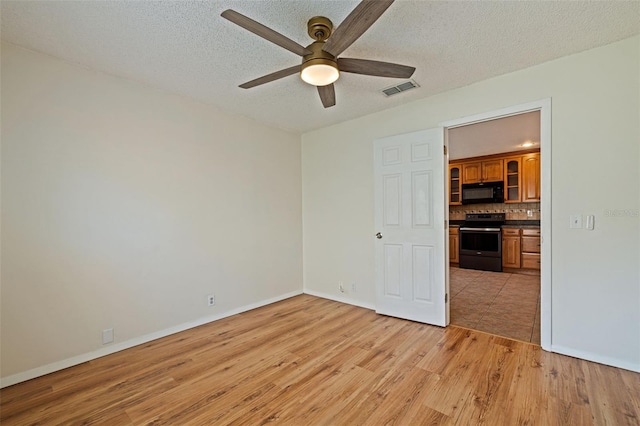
x: 483, y: 192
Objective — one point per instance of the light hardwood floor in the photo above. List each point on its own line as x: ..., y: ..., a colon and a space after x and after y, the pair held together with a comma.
x: 499, y: 303
x: 311, y: 361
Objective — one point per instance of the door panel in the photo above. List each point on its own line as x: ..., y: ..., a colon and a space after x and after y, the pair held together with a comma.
x: 420, y: 191
x: 422, y: 263
x: 393, y: 270
x: 392, y: 200
x: 410, y: 205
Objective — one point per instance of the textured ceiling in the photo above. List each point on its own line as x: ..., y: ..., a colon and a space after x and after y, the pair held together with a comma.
x: 185, y: 47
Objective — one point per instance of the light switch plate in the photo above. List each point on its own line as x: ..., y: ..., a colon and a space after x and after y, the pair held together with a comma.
x: 575, y: 221
x: 590, y: 222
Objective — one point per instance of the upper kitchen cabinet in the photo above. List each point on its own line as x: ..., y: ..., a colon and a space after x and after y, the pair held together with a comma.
x: 455, y: 184
x: 472, y: 172
x: 482, y: 171
x: 531, y: 177
x: 520, y: 173
x: 512, y: 179
x: 492, y: 170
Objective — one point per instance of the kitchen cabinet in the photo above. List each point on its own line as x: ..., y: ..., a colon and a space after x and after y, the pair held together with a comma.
x: 482, y: 171
x: 531, y: 177
x: 454, y: 245
x: 521, y: 248
x: 472, y: 172
x: 512, y: 179
x: 511, y: 247
x: 519, y: 172
x: 455, y: 184
x: 531, y: 248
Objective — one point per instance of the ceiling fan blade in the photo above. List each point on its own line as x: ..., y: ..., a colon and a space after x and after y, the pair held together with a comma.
x: 327, y: 95
x: 264, y: 32
x: 375, y: 68
x: 271, y: 77
x: 354, y: 25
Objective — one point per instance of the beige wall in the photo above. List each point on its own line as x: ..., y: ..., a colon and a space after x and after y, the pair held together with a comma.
x: 594, y: 156
x: 124, y: 206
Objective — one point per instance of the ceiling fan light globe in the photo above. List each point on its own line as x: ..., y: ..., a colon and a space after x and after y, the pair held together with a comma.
x: 319, y: 72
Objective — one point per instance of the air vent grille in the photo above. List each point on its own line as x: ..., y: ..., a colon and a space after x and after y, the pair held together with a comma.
x: 402, y: 87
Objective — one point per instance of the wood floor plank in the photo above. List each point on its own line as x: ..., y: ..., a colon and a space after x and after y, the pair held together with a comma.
x: 489, y: 385
x: 619, y: 406
x: 308, y: 360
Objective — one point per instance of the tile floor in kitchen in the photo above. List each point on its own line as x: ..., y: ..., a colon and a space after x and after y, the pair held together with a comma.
x: 496, y: 302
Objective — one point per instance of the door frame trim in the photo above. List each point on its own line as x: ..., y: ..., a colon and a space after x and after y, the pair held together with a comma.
x: 546, y: 288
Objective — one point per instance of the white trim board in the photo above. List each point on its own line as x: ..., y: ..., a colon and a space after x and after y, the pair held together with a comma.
x: 345, y: 300
x: 563, y: 350
x: 544, y: 106
x: 70, y: 362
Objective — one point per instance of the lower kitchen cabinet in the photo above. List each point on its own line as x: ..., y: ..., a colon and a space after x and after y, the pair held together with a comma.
x: 531, y: 260
x: 521, y: 248
x: 511, y: 247
x: 454, y: 246
x: 531, y: 248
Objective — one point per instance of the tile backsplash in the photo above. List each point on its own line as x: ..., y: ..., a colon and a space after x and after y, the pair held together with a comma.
x: 513, y: 211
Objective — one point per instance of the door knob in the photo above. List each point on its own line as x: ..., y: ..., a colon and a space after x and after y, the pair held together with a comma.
x: 379, y: 236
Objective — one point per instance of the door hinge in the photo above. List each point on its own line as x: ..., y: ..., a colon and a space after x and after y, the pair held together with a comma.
x: 445, y: 150
x: 446, y: 297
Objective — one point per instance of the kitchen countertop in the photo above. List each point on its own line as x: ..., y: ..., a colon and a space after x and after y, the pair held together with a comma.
x: 523, y: 223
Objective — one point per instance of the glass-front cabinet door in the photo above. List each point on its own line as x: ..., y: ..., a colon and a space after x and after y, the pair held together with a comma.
x: 512, y: 180
x: 455, y: 184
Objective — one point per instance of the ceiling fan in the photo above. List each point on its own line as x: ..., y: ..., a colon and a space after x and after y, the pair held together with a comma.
x: 321, y: 66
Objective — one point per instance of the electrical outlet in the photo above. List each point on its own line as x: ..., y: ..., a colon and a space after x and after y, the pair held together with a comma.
x: 353, y: 287
x: 341, y: 287
x: 107, y: 336
x: 211, y: 300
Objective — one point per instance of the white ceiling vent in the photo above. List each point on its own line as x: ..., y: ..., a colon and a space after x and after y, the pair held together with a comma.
x: 402, y: 87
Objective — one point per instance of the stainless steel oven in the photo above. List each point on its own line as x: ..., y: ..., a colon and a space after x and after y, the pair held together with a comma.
x: 481, y: 241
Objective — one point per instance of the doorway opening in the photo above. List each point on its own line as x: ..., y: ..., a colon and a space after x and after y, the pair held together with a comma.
x: 496, y: 178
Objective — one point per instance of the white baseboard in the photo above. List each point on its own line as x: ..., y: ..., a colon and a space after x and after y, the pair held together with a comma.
x: 596, y: 358
x: 342, y: 299
x: 70, y: 362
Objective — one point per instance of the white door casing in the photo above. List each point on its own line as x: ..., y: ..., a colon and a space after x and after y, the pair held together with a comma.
x: 544, y: 106
x: 410, y: 216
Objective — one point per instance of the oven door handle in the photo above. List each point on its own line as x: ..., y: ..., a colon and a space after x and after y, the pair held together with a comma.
x: 481, y: 229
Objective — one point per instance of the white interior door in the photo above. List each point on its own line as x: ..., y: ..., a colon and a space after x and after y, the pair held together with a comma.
x: 410, y: 222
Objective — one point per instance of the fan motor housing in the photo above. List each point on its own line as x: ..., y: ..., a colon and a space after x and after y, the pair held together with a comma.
x: 319, y: 28
x: 318, y: 53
